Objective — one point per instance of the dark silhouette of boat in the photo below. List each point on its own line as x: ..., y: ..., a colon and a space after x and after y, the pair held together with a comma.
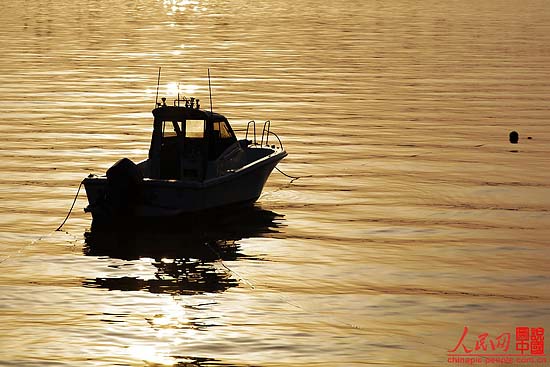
x: 195, y: 163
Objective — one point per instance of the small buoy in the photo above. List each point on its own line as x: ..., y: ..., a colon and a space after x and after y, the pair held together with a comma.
x: 529, y: 137
x: 514, y: 137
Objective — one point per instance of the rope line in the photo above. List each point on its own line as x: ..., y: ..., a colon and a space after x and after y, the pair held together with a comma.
x: 289, y: 176
x: 72, y: 206
x: 220, y: 259
x: 27, y: 245
x: 281, y: 297
x: 20, y: 250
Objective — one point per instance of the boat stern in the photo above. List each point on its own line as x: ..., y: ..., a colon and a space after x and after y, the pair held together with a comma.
x: 95, y: 187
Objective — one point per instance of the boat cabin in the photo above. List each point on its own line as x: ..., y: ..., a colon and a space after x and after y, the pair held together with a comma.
x: 189, y: 143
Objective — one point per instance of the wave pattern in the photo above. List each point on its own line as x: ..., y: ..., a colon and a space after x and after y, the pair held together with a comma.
x: 414, y: 215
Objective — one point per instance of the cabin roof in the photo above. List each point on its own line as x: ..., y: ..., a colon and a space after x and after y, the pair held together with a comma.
x: 177, y: 113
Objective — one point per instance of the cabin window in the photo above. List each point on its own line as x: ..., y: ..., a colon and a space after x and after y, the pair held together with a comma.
x: 171, y: 128
x: 194, y: 129
x: 221, y: 139
x: 224, y: 131
x: 221, y: 130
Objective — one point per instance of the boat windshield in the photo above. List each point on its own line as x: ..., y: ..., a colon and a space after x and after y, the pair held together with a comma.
x: 194, y: 129
x: 221, y: 131
x: 222, y: 137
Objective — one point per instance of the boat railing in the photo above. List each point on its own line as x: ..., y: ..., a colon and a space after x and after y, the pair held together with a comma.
x: 268, y: 124
x: 248, y: 128
x: 266, y: 131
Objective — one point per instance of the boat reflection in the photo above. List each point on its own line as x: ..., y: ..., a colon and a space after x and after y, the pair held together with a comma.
x: 182, y: 252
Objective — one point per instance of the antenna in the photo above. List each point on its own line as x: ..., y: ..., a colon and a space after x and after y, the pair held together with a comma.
x: 210, y: 90
x: 158, y: 83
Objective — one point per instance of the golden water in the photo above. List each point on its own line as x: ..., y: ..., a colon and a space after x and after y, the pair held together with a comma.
x: 413, y: 217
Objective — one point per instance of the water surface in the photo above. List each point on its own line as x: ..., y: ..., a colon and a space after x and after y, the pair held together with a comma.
x: 413, y: 217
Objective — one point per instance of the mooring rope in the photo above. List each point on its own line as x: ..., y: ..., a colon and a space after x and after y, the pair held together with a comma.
x: 289, y: 176
x: 220, y: 259
x: 27, y: 245
x: 48, y: 234
x: 72, y: 206
x: 281, y: 297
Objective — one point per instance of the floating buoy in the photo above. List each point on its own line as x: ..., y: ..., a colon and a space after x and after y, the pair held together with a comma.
x: 514, y: 137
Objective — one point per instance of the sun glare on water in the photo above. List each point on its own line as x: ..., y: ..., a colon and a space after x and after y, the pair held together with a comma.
x: 172, y: 328
x: 180, y: 6
x: 149, y: 354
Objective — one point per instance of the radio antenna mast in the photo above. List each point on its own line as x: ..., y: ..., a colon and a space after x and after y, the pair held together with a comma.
x: 210, y: 90
x: 158, y: 83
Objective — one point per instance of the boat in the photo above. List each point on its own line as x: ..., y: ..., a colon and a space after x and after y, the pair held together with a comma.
x: 195, y: 164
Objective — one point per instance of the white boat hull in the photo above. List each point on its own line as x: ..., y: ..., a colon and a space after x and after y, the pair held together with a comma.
x: 174, y: 197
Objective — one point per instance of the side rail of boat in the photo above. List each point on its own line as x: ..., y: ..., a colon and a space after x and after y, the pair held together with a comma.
x: 266, y: 132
